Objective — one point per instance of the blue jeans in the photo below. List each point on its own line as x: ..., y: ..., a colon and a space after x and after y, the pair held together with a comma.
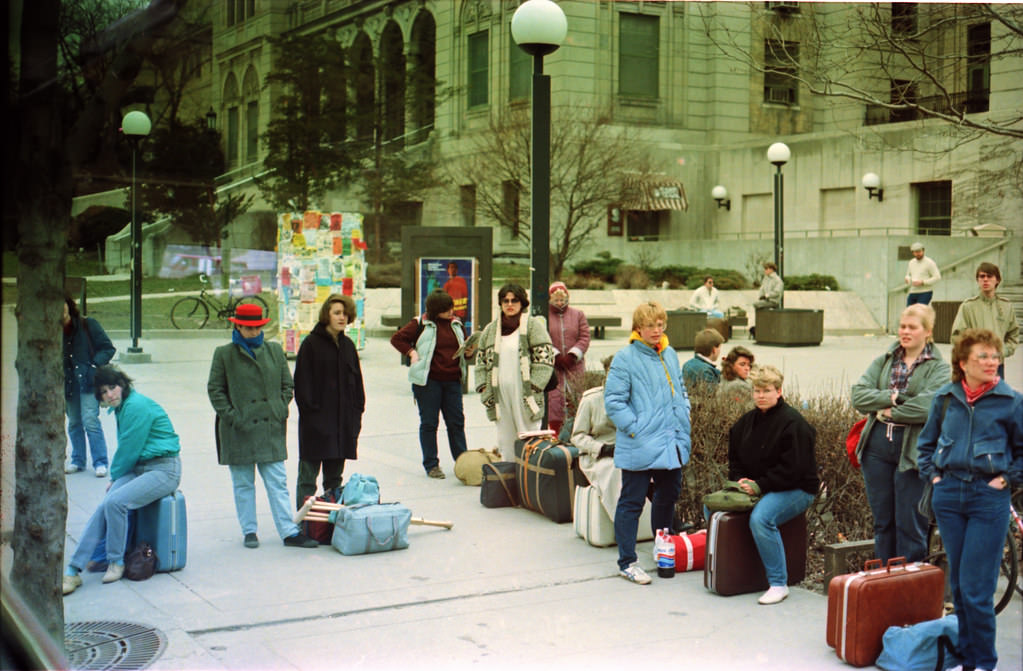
x: 924, y: 298
x: 82, y: 410
x: 772, y: 510
x: 899, y: 530
x: 635, y: 484
x: 973, y: 518
x: 434, y: 398
x: 275, y: 480
x: 150, y: 481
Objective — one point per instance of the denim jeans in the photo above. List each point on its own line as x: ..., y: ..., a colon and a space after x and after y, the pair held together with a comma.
x: 433, y: 398
x: 973, y: 518
x: 150, y: 481
x: 772, y: 510
x: 82, y: 411
x: 635, y: 484
x: 924, y: 298
x: 308, y: 470
x: 899, y: 530
x: 275, y: 480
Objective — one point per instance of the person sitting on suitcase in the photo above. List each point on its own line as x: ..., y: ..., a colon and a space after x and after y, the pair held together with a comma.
x: 594, y: 435
x: 145, y: 468
x: 771, y: 454
x: 646, y: 399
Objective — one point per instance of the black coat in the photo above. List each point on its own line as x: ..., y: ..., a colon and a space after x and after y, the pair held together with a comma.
x: 774, y: 448
x: 85, y: 347
x: 330, y: 397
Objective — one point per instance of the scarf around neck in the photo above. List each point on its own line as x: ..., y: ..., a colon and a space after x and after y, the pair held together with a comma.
x: 248, y: 344
x: 973, y: 394
x: 509, y: 324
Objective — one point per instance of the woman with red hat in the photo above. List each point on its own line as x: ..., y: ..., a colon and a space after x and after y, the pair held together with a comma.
x: 250, y: 387
x: 570, y: 334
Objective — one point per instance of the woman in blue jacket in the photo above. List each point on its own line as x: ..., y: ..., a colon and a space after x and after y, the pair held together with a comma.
x: 971, y: 450
x: 146, y: 468
x: 86, y: 346
x: 645, y: 398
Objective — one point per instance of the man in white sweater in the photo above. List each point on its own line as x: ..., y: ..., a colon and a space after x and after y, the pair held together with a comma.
x: 705, y: 299
x: 921, y: 276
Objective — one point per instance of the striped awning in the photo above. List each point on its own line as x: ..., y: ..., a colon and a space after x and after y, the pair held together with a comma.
x: 655, y: 191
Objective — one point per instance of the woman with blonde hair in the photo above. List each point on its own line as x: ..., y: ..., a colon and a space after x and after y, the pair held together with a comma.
x: 896, y: 393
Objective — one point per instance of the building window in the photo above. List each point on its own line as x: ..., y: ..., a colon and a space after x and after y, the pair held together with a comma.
x: 903, y: 92
x: 638, y: 43
x: 232, y: 136
x: 934, y: 208
x: 365, y: 76
x: 252, y: 132
x: 423, y: 57
x: 519, y: 72
x: 393, y: 85
x: 781, y: 67
x: 510, y: 193
x: 479, y: 73
x: 643, y: 225
x: 978, y: 67
x: 467, y: 201
x: 904, y: 19
x: 239, y: 10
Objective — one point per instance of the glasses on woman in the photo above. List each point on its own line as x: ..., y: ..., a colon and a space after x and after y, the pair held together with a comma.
x: 511, y: 300
x: 984, y: 356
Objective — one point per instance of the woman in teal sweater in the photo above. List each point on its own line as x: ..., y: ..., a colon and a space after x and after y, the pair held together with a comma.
x: 146, y: 467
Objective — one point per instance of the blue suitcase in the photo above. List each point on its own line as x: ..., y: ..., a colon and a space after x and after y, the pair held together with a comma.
x: 164, y: 525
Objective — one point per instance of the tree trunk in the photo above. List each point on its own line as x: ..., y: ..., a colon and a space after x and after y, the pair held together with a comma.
x: 43, y: 216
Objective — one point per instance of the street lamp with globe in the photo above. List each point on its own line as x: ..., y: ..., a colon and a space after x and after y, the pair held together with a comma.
x: 135, y: 126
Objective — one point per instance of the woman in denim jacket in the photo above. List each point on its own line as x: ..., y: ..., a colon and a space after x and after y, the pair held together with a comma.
x: 971, y: 449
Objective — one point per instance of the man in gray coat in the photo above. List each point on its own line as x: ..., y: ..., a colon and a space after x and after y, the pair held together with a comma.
x: 250, y: 387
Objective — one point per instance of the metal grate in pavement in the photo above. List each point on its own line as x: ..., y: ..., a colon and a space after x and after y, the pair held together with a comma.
x: 112, y: 645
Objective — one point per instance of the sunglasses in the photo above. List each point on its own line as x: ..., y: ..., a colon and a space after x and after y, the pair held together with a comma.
x: 510, y: 301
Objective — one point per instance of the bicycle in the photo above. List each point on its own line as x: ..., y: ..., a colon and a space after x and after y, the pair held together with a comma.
x: 193, y: 312
x: 1009, y: 581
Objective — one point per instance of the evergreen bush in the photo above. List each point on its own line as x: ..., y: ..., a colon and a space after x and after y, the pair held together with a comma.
x: 812, y: 282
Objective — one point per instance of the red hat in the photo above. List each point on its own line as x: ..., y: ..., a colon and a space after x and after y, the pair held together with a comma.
x: 249, y: 314
x: 557, y: 286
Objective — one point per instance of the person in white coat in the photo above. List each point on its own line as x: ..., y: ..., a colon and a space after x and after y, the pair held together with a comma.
x: 594, y: 435
x: 705, y: 299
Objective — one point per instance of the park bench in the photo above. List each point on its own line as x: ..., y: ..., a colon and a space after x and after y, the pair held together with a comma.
x: 598, y: 324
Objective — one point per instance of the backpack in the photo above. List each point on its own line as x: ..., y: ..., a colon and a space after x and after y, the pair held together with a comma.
x: 360, y: 489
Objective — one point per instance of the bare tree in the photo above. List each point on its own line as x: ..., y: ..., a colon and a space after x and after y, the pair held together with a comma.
x: 589, y: 158
x: 46, y: 145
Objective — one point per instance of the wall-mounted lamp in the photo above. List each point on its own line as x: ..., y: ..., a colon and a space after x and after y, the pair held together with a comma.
x: 211, y: 120
x: 872, y: 183
x: 720, y: 194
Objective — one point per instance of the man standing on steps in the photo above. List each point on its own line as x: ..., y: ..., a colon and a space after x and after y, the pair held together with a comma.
x: 921, y: 276
x: 989, y: 311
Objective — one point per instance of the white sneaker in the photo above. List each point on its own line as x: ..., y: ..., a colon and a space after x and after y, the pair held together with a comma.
x: 71, y: 468
x: 774, y: 595
x: 101, y: 471
x: 635, y: 574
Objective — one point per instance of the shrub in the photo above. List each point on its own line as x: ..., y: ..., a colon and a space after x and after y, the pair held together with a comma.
x: 604, y: 267
x: 724, y: 279
x: 631, y: 277
x: 573, y: 281
x: 675, y: 276
x: 812, y: 282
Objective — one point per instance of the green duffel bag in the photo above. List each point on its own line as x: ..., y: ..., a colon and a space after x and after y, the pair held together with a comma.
x: 469, y: 465
x: 730, y: 498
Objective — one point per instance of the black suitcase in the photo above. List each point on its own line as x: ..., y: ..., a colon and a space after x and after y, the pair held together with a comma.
x: 498, y: 489
x: 733, y: 564
x: 547, y: 473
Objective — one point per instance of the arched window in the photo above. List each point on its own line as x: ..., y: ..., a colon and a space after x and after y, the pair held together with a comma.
x: 476, y: 18
x: 392, y: 65
x: 362, y: 82
x: 250, y: 97
x: 231, y: 103
x: 422, y: 77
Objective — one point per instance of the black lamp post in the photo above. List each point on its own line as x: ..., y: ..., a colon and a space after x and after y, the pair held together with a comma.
x: 135, y: 126
x: 779, y: 154
x: 539, y: 27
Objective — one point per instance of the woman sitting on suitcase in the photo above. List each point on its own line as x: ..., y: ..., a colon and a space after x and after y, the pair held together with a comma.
x: 145, y: 468
x: 971, y: 450
x: 771, y: 454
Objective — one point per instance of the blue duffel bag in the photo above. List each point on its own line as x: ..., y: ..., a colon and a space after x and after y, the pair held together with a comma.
x: 921, y: 647
x: 377, y: 527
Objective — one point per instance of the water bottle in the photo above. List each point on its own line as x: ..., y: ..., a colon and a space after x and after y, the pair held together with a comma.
x: 665, y: 549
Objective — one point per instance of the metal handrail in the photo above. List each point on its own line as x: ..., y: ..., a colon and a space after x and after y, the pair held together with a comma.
x: 957, y: 262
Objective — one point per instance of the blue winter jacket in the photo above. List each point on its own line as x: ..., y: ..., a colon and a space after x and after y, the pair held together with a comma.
x: 80, y: 361
x: 646, y: 400
x: 984, y: 441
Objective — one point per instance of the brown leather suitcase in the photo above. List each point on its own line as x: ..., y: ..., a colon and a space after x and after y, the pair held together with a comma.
x: 733, y: 564
x: 862, y: 605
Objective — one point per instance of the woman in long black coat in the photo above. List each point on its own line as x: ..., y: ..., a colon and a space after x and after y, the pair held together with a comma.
x: 330, y: 397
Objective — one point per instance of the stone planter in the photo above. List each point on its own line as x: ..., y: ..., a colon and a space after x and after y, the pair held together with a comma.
x: 789, y: 327
x: 682, y: 327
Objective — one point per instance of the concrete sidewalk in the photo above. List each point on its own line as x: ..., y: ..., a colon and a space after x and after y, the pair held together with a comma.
x: 504, y: 588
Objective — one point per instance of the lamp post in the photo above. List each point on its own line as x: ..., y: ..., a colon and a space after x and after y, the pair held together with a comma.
x: 539, y: 27
x: 135, y: 126
x: 779, y: 154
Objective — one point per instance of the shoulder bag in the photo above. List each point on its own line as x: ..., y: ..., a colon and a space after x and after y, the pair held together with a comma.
x: 730, y: 498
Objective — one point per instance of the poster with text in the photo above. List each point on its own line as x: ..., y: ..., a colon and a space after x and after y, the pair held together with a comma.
x: 456, y: 276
